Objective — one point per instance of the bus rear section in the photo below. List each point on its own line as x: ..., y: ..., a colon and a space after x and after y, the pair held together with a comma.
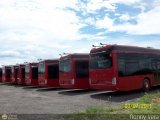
x: 14, y: 74
x: 102, y: 74
x: 6, y: 74
x: 74, y: 71
x: 21, y: 74
x: 48, y: 73
x: 124, y: 68
x: 31, y: 74
x: 0, y: 74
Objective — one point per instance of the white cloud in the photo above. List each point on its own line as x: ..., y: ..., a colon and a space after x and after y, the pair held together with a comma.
x: 125, y: 17
x: 147, y: 23
x: 127, y: 2
x: 105, y: 23
x: 37, y: 28
x: 94, y: 5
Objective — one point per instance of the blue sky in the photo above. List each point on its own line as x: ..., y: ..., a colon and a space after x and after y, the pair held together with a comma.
x: 33, y: 29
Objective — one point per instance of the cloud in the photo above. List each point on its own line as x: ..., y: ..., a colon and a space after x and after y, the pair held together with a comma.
x: 94, y: 5
x: 32, y: 29
x: 147, y: 23
x: 105, y: 23
x: 37, y: 28
x: 127, y: 2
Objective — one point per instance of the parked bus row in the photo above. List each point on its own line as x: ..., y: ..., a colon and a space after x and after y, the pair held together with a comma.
x: 108, y: 67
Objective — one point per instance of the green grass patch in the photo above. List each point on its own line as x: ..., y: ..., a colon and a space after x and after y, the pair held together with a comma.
x: 148, y: 104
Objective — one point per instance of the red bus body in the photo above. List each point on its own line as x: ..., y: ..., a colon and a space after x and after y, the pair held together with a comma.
x: 123, y: 68
x: 74, y: 71
x: 6, y: 74
x: 14, y: 74
x: 48, y: 73
x: 21, y: 74
x: 0, y: 74
x: 31, y: 74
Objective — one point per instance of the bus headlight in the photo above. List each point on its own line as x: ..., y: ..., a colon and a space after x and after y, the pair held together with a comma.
x: 72, y: 81
x: 45, y: 81
x: 90, y: 81
x: 114, y: 82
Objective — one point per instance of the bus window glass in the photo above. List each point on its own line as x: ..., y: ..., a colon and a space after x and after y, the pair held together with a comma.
x: 34, y: 72
x: 41, y: 68
x: 12, y: 70
x: 27, y: 69
x: 121, y: 67
x: 23, y: 72
x: 0, y: 72
x: 100, y: 60
x: 53, y: 71
x: 65, y: 66
x: 82, y: 70
x: 3, y: 70
x: 132, y: 67
x: 8, y: 73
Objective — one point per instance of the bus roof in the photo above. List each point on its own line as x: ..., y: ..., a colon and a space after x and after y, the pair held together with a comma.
x: 49, y: 60
x: 30, y: 64
x: 125, y: 48
x: 75, y: 55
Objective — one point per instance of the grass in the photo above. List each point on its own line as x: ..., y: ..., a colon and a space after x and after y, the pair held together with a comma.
x: 148, y: 104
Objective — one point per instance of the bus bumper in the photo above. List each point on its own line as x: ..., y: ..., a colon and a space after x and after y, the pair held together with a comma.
x: 104, y: 87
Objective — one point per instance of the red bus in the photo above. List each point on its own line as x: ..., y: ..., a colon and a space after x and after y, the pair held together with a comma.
x: 48, y: 73
x: 124, y: 68
x: 14, y: 73
x: 21, y: 74
x: 74, y: 71
x: 31, y: 74
x: 6, y: 74
x: 0, y: 74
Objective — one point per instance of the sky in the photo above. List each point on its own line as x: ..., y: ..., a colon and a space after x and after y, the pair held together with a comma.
x: 43, y: 29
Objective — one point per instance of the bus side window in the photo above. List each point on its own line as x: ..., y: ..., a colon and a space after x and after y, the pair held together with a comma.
x: 145, y: 65
x: 121, y: 67
x: 121, y: 64
x: 132, y: 64
x: 82, y: 68
x: 132, y: 67
x: 53, y: 71
x: 35, y: 72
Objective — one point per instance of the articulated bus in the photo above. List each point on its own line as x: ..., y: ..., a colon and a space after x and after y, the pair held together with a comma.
x: 6, y: 74
x: 21, y: 74
x: 74, y: 71
x: 14, y: 73
x: 0, y: 74
x: 124, y: 68
x: 48, y: 73
x: 31, y: 74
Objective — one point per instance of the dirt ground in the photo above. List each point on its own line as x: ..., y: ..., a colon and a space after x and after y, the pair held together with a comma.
x: 32, y: 100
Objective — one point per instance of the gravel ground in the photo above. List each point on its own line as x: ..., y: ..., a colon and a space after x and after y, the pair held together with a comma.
x: 32, y: 100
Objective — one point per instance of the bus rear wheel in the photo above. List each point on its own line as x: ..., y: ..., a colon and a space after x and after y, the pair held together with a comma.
x: 146, y: 85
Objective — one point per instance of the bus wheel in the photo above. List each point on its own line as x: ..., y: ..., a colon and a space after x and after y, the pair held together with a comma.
x: 146, y: 85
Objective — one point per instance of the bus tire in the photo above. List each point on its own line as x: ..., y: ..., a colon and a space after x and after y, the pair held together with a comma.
x: 146, y: 85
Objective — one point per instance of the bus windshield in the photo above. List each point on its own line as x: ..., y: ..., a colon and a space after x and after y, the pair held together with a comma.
x: 100, y: 60
x: 12, y: 70
x: 3, y: 70
x: 27, y: 69
x: 41, y: 68
x: 65, y: 66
